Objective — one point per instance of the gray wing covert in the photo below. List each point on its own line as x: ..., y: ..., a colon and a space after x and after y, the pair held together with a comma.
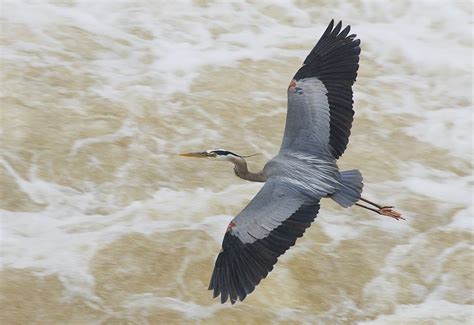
x: 257, y: 236
x: 307, y: 119
x: 320, y: 101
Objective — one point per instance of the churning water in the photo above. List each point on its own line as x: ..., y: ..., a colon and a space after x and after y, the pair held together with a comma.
x: 101, y: 223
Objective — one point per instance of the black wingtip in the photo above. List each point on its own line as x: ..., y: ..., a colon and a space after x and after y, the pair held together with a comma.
x: 345, y: 31
x: 329, y: 28
x: 337, y: 29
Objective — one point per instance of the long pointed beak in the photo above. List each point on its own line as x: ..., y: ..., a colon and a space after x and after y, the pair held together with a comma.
x: 201, y: 154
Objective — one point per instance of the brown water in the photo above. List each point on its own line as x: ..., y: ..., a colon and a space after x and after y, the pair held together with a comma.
x: 103, y: 224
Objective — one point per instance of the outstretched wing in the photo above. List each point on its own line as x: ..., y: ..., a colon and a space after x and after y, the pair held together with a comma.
x: 320, y: 101
x: 257, y: 236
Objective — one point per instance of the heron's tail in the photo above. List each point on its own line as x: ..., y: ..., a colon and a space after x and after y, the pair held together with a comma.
x: 351, y: 188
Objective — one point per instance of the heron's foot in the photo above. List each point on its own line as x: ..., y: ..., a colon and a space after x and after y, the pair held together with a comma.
x: 389, y: 212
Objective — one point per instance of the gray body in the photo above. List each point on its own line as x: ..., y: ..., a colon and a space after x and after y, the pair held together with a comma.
x: 303, y: 171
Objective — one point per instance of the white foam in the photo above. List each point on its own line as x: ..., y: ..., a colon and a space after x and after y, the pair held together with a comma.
x: 463, y: 220
x: 447, y: 128
x: 440, y: 311
x: 144, y: 302
x: 441, y: 185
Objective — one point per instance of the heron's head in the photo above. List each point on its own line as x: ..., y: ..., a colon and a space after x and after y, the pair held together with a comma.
x: 214, y: 154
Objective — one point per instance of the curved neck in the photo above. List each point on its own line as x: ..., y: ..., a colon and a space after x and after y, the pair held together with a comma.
x: 241, y: 170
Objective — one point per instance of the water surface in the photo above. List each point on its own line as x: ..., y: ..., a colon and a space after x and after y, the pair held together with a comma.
x: 103, y: 224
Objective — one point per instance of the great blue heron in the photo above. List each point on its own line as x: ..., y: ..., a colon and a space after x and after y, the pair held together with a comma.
x: 317, y: 130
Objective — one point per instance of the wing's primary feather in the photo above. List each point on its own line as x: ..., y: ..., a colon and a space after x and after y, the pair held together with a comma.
x: 320, y: 101
x: 256, y: 237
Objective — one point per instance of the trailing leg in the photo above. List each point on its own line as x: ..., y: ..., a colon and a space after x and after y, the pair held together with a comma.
x: 382, y: 210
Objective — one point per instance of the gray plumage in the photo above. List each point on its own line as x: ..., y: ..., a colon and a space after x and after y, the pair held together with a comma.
x: 307, y: 120
x: 317, y: 130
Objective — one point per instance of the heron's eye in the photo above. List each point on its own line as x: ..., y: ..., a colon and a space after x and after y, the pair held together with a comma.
x: 211, y: 154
